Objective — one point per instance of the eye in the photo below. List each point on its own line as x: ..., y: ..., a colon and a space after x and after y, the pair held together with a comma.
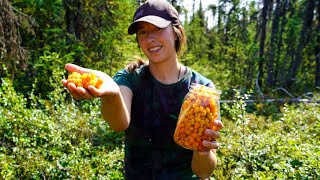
x: 141, y: 32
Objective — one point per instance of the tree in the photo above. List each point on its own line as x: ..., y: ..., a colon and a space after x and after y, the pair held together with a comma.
x: 72, y: 19
x: 12, y: 55
x: 93, y: 33
x: 273, y: 47
x: 280, y: 65
x: 304, y: 39
x: 196, y: 33
x: 263, y: 29
x: 317, y: 47
x: 279, y: 41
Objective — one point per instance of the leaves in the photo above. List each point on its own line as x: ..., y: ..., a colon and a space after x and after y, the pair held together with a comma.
x: 285, y: 146
x: 53, y: 138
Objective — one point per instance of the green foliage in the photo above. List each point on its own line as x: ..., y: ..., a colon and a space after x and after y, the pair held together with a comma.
x: 49, y: 64
x: 55, y: 138
x: 66, y: 139
x: 275, y: 147
x: 197, y: 41
x: 117, y: 45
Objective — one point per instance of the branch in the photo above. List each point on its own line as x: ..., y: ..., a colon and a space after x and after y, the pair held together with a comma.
x: 257, y: 85
x: 250, y: 101
x: 281, y: 88
x: 306, y: 95
x: 33, y: 22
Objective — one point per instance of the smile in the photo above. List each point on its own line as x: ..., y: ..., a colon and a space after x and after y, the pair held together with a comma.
x: 155, y: 49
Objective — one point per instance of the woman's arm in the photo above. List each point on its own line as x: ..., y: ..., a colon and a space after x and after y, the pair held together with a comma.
x: 115, y: 100
x: 116, y: 109
x: 204, y: 163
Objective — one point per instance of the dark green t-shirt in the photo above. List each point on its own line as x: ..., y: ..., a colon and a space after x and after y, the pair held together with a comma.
x: 150, y: 151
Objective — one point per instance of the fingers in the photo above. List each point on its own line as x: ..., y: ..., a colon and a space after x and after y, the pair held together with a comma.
x: 74, y: 68
x: 211, y: 144
x: 64, y: 82
x: 218, y: 125
x: 72, y: 89
x: 203, y: 153
x: 95, y: 91
x: 213, y: 134
x: 78, y: 92
x: 84, y: 93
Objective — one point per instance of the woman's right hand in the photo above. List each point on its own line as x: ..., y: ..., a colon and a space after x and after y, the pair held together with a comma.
x: 108, y: 88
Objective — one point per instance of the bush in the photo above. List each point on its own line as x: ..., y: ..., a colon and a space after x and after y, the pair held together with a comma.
x: 283, y: 146
x: 60, y: 138
x: 55, y: 138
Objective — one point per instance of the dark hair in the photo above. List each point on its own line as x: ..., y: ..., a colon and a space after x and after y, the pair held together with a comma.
x: 181, y: 42
x: 133, y: 65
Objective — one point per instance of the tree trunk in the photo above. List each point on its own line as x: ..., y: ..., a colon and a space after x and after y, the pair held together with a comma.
x: 72, y: 23
x: 304, y: 39
x: 280, y: 65
x: 12, y: 55
x: 317, y: 48
x: 220, y: 16
x: 273, y: 40
x: 262, y: 40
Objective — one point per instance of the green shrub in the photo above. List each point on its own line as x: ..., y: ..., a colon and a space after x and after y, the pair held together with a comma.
x: 284, y: 146
x: 56, y: 138
x: 60, y: 138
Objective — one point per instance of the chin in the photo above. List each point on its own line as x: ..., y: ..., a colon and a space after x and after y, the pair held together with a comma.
x: 156, y: 61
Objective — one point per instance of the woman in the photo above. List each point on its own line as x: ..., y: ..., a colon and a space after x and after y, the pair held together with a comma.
x: 144, y: 100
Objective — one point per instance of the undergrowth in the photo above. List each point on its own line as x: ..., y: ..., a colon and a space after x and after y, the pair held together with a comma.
x: 60, y: 138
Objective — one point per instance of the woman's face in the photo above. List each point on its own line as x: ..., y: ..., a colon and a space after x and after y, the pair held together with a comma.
x: 156, y: 43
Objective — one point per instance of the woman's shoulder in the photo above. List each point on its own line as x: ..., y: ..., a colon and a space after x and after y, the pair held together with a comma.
x: 198, y: 78
x: 125, y: 72
x: 128, y: 78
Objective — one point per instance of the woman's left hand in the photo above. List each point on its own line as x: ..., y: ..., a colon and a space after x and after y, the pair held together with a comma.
x: 204, y: 162
x: 215, y: 135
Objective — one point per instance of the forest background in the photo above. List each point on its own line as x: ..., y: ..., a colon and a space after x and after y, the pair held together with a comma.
x: 263, y: 55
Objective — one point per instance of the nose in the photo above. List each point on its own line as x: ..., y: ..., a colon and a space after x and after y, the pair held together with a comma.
x: 150, y: 37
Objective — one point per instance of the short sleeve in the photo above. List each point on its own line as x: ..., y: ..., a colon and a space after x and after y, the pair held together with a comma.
x: 200, y: 79
x: 123, y: 78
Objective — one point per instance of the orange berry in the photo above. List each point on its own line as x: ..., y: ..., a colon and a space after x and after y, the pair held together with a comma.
x: 99, y: 83
x: 84, y: 80
x: 199, y: 110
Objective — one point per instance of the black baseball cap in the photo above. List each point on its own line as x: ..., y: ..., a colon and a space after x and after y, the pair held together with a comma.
x: 157, y: 12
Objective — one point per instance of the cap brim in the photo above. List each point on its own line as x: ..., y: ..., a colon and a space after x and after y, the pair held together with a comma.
x: 155, y: 20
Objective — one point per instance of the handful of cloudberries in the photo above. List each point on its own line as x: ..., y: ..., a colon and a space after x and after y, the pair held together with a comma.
x: 199, y: 110
x: 84, y: 80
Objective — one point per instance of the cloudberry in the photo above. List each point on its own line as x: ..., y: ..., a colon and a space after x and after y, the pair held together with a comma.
x: 85, y: 79
x: 199, y: 110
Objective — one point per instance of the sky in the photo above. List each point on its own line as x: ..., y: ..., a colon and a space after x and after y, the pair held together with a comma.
x: 205, y: 3
x: 189, y: 3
